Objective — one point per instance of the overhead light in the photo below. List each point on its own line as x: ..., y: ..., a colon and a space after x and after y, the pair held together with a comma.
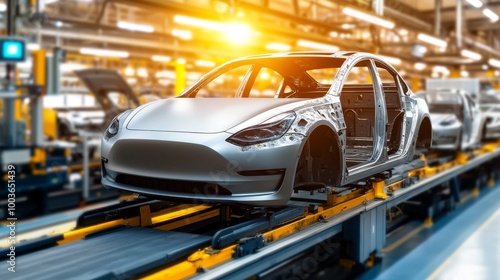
x: 103, y: 52
x: 432, y: 40
x: 278, y: 47
x: 181, y: 61
x: 135, y: 26
x: 497, y: 73
x: 165, y: 74
x: 464, y: 73
x: 392, y: 60
x: 207, y: 24
x: 484, y: 67
x: 316, y: 45
x: 369, y: 18
x: 3, y: 7
x: 334, y: 34
x: 69, y: 67
x: 470, y: 54
x: 59, y: 23
x: 475, y: 3
x: 129, y: 71
x: 32, y: 46
x: 142, y: 72
x: 490, y: 14
x: 494, y: 62
x: 403, y: 32
x: 237, y: 32
x: 161, y: 58
x: 204, y: 63
x: 419, y: 66
x: 441, y: 69
x: 347, y: 26
x: 183, y: 34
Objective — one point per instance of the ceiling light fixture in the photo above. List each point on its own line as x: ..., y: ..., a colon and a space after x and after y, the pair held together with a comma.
x: 491, y: 15
x: 183, y: 34
x: 32, y: 46
x: 441, y: 69
x: 135, y: 26
x: 494, y: 62
x: 204, y: 63
x: 368, y: 17
x: 420, y: 66
x: 391, y: 60
x: 103, y: 52
x: 470, y: 54
x: 278, y: 47
x: 432, y: 40
x: 475, y: 3
x: 316, y: 45
x: 207, y: 24
x: 161, y: 58
x: 3, y: 7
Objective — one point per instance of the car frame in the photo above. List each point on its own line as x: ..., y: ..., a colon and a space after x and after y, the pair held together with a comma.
x: 457, y: 122
x: 489, y: 104
x: 257, y: 151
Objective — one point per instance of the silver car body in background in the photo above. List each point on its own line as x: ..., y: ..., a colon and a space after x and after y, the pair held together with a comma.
x: 457, y: 122
x: 490, y: 107
x: 253, y: 129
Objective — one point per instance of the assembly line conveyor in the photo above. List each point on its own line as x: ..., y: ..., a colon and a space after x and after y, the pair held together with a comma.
x: 151, y: 239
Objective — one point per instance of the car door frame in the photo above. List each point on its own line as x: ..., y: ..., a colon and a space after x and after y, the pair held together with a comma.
x: 379, y: 152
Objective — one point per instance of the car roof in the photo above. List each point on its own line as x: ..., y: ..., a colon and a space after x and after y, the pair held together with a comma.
x: 340, y: 54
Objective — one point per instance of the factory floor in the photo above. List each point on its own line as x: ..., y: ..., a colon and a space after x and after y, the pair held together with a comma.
x: 465, y: 244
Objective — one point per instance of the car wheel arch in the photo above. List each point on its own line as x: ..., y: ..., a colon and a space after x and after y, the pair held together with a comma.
x: 316, y: 138
x: 424, y: 134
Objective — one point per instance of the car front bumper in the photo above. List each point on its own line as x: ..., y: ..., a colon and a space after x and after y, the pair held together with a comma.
x: 199, y: 167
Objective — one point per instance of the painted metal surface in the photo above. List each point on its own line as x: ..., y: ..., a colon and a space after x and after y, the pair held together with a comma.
x: 191, y: 140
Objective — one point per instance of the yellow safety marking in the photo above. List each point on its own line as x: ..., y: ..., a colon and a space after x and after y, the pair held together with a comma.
x: 164, y: 215
x: 428, y: 222
x: 189, y: 220
x: 179, y: 211
x: 314, y: 218
x: 200, y: 259
x: 81, y: 233
x: 398, y: 243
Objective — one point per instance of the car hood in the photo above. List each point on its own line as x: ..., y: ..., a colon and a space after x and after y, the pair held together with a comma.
x: 103, y: 81
x: 201, y: 115
x: 439, y: 117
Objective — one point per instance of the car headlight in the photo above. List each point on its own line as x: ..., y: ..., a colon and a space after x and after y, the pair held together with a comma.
x: 112, y: 129
x: 114, y: 126
x: 272, y: 129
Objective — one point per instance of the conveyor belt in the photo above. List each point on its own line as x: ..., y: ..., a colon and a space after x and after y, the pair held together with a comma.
x: 101, y: 256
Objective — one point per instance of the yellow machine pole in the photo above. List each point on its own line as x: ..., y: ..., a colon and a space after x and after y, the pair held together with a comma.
x: 180, y: 76
x: 415, y: 84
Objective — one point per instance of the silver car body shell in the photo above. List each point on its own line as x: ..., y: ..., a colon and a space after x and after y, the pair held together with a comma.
x: 492, y: 114
x: 196, y: 149
x: 462, y: 134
